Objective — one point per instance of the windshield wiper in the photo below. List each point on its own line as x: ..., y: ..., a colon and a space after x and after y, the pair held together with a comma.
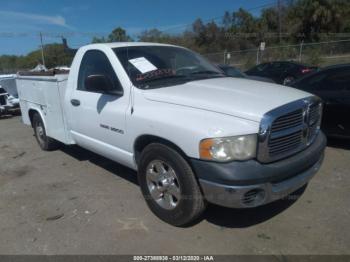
x: 145, y: 83
x: 206, y: 72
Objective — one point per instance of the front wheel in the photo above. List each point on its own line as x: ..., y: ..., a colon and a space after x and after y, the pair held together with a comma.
x: 169, y: 185
x: 46, y: 143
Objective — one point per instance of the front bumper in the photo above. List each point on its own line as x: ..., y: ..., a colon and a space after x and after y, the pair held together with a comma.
x: 250, y: 183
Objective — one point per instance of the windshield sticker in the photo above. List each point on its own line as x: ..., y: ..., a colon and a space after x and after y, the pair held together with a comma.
x: 159, y: 73
x: 143, y: 65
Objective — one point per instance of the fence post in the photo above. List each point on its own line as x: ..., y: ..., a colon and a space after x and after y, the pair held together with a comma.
x: 257, y: 56
x: 301, y: 50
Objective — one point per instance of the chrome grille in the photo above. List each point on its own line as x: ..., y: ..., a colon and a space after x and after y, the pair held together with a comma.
x: 285, y: 143
x: 287, y: 121
x: 289, y: 129
x: 313, y: 121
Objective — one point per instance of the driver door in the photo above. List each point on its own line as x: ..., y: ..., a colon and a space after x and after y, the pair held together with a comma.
x: 99, y: 116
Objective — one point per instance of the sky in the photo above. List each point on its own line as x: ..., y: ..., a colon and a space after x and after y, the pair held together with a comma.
x: 21, y: 21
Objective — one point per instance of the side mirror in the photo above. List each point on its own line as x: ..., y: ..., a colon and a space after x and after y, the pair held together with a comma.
x: 98, y: 83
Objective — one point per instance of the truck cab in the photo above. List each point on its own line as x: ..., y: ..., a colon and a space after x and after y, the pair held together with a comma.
x: 192, y: 134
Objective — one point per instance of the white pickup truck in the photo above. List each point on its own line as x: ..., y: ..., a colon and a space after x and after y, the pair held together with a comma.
x: 193, y: 135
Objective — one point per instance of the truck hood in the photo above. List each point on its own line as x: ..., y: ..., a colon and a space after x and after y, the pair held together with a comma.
x: 242, y: 98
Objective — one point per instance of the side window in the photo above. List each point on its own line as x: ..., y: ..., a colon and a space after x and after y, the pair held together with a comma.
x: 95, y: 62
x: 279, y: 67
x: 261, y: 67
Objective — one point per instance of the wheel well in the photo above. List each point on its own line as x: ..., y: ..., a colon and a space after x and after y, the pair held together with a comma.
x: 144, y: 140
x: 31, y: 113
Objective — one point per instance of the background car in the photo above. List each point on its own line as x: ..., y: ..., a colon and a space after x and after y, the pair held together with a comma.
x: 3, y: 100
x: 332, y: 84
x: 8, y: 103
x: 235, y: 72
x: 282, y: 72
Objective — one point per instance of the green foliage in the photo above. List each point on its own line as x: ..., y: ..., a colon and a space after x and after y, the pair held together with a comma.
x: 314, y: 57
x: 307, y: 20
x: 55, y: 55
x: 117, y: 35
x: 314, y: 19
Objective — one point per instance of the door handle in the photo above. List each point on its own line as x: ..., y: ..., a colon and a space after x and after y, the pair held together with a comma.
x: 75, y: 102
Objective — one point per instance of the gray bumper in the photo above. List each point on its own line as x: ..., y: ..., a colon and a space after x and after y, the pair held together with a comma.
x: 255, y: 195
x: 250, y: 184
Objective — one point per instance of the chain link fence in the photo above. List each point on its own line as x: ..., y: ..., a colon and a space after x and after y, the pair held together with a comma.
x: 319, y: 54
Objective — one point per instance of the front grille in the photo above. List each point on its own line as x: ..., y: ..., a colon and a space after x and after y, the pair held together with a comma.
x: 3, y: 100
x: 287, y: 121
x: 314, y: 122
x: 285, y: 143
x: 289, y: 129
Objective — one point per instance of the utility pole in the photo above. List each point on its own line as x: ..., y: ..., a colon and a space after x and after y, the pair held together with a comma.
x: 42, y: 49
x: 279, y: 20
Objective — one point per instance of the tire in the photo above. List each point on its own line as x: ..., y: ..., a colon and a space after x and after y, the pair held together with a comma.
x: 182, y: 210
x: 46, y: 143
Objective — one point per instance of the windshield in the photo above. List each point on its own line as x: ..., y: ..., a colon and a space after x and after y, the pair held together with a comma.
x: 160, y: 66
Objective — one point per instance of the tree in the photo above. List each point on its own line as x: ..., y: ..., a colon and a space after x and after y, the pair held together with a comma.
x: 244, y: 22
x: 227, y: 20
x: 152, y: 35
x: 308, y: 20
x: 55, y: 55
x: 119, y: 35
x: 96, y: 40
x: 311, y: 19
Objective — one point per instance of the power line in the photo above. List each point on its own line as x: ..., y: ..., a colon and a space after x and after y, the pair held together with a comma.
x: 270, y: 4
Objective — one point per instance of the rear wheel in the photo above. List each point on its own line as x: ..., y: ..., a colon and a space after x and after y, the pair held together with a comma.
x: 169, y: 185
x: 46, y: 143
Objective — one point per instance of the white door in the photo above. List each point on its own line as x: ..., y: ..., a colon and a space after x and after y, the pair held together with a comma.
x: 99, y: 104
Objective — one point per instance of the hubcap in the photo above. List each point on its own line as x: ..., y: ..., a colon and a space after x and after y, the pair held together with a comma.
x: 40, y: 132
x: 163, y: 184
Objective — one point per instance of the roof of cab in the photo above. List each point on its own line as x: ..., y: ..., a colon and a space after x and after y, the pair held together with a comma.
x: 124, y: 44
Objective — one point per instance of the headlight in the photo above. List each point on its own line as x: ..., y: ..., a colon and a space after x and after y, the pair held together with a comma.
x: 228, y: 148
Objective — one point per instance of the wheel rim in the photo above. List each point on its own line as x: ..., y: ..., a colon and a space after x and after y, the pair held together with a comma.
x: 40, y: 133
x: 287, y: 80
x: 163, y: 184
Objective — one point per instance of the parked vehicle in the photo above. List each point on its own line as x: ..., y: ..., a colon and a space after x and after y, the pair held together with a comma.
x: 8, y: 103
x: 3, y: 101
x: 232, y: 71
x: 8, y: 82
x: 193, y: 134
x: 282, y: 72
x: 332, y: 84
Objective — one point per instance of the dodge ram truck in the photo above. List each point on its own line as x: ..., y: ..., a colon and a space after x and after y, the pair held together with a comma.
x: 193, y: 135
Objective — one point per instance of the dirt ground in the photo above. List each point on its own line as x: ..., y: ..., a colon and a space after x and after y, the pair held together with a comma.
x: 72, y: 201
